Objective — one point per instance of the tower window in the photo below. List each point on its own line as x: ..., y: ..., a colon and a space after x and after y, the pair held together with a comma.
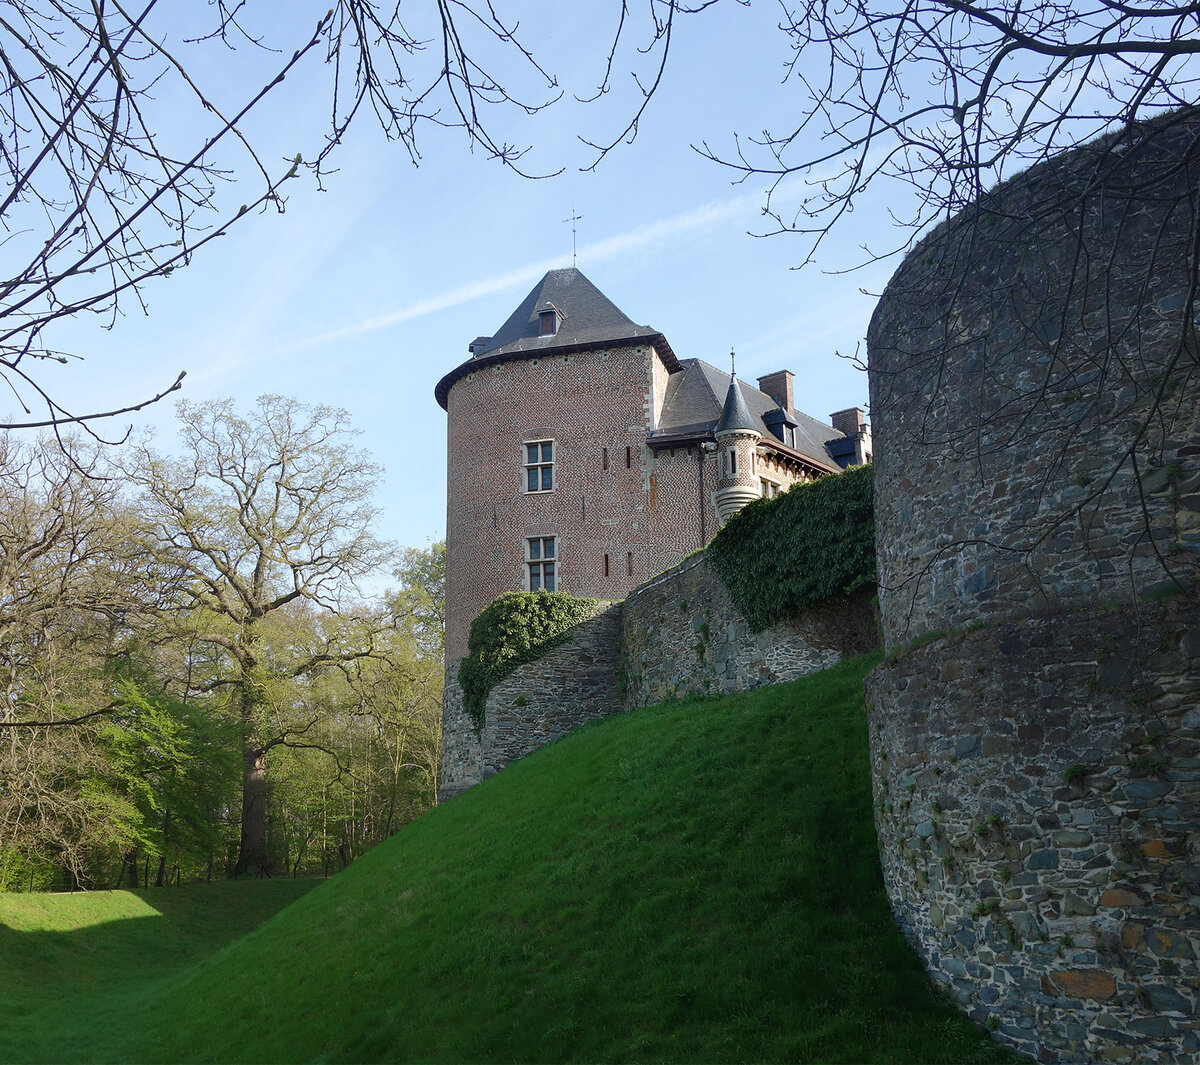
x: 548, y: 322
x: 629, y: 564
x: 606, y: 565
x: 539, y: 466
x: 541, y: 558
x: 628, y: 457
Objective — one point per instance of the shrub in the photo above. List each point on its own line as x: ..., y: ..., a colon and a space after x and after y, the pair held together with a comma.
x: 515, y: 628
x: 816, y: 541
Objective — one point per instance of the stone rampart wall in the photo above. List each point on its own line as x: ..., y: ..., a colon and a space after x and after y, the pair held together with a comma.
x: 572, y: 684
x: 1036, y: 415
x: 677, y: 636
x: 1042, y: 848
x: 683, y: 638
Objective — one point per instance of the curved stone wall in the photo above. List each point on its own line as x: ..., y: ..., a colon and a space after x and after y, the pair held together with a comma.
x: 1037, y: 799
x: 1036, y: 415
x: 1034, y: 393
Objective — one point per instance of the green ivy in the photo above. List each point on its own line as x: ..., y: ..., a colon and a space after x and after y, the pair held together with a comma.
x: 516, y: 628
x: 813, y: 542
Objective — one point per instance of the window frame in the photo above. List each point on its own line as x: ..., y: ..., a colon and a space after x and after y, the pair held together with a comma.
x: 541, y: 464
x: 538, y: 561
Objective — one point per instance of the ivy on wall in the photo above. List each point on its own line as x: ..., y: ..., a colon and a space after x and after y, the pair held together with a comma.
x: 515, y: 628
x: 815, y: 541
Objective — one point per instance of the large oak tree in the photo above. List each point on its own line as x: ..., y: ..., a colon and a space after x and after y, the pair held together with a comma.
x: 265, y: 510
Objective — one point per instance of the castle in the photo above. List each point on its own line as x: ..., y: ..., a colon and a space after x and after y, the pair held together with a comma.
x: 583, y: 455
x: 1035, y: 727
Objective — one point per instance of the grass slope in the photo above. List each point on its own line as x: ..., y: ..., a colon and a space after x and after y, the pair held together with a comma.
x: 70, y: 962
x: 689, y: 882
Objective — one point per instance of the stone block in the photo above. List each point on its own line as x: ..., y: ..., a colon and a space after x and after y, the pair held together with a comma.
x: 1095, y: 984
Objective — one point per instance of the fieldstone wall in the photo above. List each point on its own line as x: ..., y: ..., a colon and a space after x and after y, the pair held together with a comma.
x: 1034, y: 396
x: 677, y: 636
x: 683, y: 638
x: 462, y: 756
x: 572, y: 684
x: 1036, y: 412
x: 1037, y: 797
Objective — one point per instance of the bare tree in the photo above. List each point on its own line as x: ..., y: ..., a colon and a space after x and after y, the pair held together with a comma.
x: 931, y: 102
x: 103, y: 194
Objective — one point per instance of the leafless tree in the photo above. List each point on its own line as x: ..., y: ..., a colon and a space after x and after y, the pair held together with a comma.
x: 1041, y: 318
x: 929, y: 103
x: 105, y: 188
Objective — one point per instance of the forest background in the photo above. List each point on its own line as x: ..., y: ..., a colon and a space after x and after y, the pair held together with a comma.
x: 192, y: 682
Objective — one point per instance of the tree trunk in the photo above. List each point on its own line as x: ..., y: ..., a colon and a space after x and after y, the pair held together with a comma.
x: 252, y: 855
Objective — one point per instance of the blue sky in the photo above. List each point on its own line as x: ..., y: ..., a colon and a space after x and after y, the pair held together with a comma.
x: 364, y: 295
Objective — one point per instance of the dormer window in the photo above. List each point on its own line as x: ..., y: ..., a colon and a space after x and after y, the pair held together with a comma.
x: 549, y: 322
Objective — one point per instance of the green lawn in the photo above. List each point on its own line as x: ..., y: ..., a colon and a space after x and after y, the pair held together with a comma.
x: 692, y: 882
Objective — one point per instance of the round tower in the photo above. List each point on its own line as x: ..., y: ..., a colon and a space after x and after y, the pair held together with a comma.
x: 737, y: 455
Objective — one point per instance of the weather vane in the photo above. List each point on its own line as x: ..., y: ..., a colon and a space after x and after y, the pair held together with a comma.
x: 573, y: 219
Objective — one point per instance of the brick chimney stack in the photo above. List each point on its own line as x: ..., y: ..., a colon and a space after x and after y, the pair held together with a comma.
x: 851, y: 421
x: 778, y: 386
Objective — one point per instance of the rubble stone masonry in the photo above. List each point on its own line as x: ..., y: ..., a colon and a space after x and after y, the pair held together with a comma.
x: 677, y: 636
x: 1036, y: 732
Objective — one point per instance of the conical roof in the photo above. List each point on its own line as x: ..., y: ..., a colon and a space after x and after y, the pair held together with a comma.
x: 735, y: 415
x: 585, y: 316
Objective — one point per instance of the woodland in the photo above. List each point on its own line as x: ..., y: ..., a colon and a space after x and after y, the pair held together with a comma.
x: 194, y: 680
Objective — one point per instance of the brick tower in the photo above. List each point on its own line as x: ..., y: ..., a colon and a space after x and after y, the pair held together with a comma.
x: 583, y: 456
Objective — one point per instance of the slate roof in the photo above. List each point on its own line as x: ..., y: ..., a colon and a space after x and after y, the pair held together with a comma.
x: 691, y: 409
x: 587, y: 319
x: 735, y: 414
x: 587, y: 316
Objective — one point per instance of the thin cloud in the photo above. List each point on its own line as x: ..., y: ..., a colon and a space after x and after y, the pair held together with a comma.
x: 707, y: 215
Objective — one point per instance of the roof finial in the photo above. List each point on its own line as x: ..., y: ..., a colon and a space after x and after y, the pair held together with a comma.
x: 573, y: 219
x: 732, y: 368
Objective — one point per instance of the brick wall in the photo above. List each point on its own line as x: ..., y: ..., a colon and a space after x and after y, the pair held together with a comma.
x: 614, y: 496
x: 587, y: 403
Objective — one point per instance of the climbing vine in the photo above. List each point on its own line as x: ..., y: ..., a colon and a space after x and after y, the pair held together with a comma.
x: 815, y: 541
x: 515, y: 628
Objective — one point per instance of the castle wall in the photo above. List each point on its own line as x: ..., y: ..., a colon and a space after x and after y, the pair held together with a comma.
x: 1036, y: 414
x: 1037, y: 799
x: 1034, y: 398
x: 683, y: 638
x: 677, y: 636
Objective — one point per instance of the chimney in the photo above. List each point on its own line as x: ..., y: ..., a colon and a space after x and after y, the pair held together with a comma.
x: 851, y: 421
x: 778, y: 386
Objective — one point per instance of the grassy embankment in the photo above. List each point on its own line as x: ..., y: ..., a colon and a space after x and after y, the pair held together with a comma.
x: 693, y: 883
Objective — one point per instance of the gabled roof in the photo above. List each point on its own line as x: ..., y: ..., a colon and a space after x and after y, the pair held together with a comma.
x: 586, y: 319
x: 692, y: 409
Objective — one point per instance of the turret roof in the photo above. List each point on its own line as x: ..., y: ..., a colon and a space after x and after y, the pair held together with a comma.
x: 691, y: 409
x: 735, y: 415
